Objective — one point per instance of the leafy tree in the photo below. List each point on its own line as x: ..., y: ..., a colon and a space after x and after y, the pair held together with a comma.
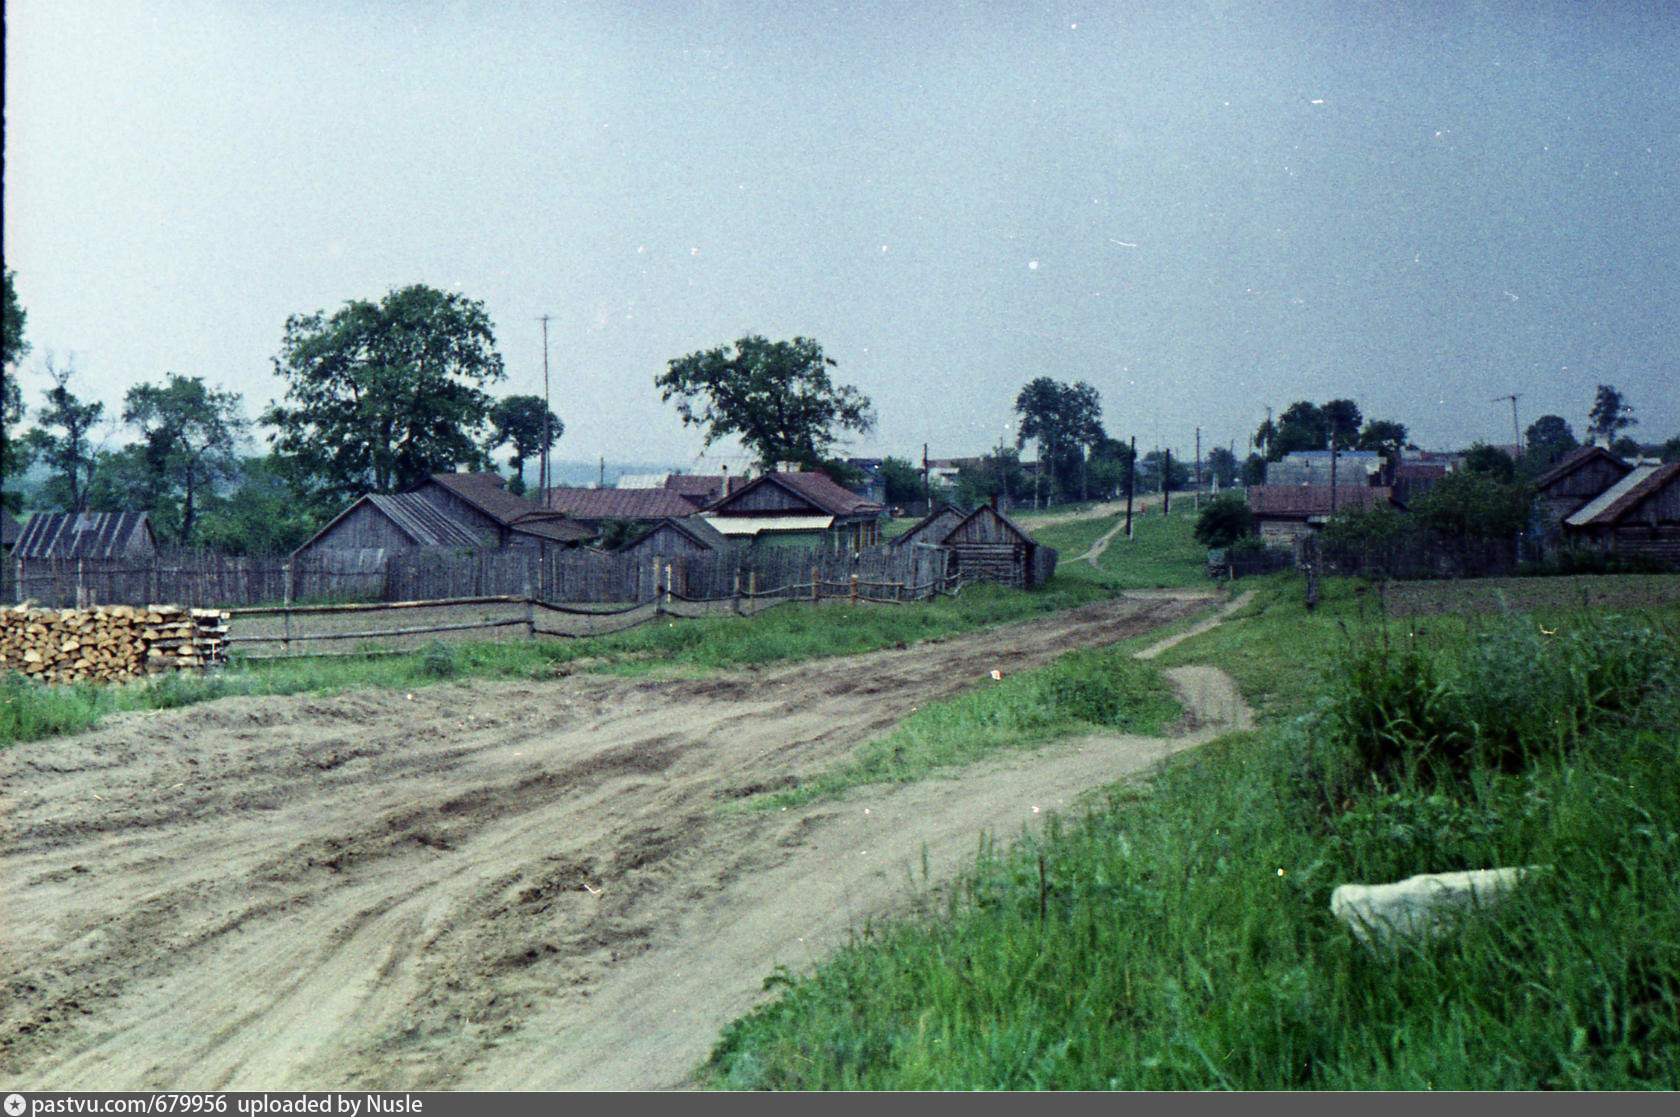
x: 70, y: 454
x: 1548, y: 438
x: 776, y: 397
x: 14, y: 453
x: 1473, y: 506
x: 1376, y: 527
x: 1382, y: 435
x: 1149, y: 472
x: 519, y: 420
x: 1254, y: 470
x: 192, y: 435
x: 125, y: 480
x: 1109, y: 466
x: 1302, y: 426
x: 1610, y: 414
x: 1065, y: 419
x: 1627, y: 448
x: 1222, y: 464
x: 903, y: 482
x: 998, y: 473
x: 1224, y: 520
x: 262, y: 516
x: 1671, y: 450
x: 1482, y: 458
x: 1343, y: 418
x: 381, y: 395
x: 1264, y: 437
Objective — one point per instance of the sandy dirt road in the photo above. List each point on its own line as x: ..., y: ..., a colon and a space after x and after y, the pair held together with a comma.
x: 523, y: 885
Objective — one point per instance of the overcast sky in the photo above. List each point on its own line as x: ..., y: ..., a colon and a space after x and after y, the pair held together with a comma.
x: 1202, y: 209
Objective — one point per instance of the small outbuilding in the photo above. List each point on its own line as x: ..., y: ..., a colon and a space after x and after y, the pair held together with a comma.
x: 989, y: 546
x: 1283, y: 512
x: 933, y: 528
x: 57, y: 536
x: 676, y: 536
x: 1578, y: 478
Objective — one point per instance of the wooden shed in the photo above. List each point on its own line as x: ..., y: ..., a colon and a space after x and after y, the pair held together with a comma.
x: 391, y: 524
x: 674, y: 536
x: 1639, y: 516
x: 933, y: 528
x: 1578, y: 478
x: 56, y: 536
x: 989, y: 546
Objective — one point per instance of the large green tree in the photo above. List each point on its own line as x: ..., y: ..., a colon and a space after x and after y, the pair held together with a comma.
x: 1064, y: 419
x: 14, y: 452
x: 1610, y: 415
x: 1382, y: 435
x: 261, y: 516
x: 381, y: 395
x: 1548, y: 438
x: 63, y: 437
x: 775, y: 396
x: 191, y: 438
x: 519, y: 420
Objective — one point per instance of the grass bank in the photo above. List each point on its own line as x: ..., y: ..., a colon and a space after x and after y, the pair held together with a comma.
x: 29, y: 710
x: 1180, y: 937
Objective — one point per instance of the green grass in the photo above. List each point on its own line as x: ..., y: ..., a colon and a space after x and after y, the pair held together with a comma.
x: 1162, y: 552
x: 29, y: 710
x: 1082, y: 691
x: 1180, y: 937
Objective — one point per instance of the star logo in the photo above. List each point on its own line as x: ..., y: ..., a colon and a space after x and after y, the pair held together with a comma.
x: 15, y: 1105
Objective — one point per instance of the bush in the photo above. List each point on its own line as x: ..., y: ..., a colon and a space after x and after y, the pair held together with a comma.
x: 438, y: 660
x: 1224, y: 520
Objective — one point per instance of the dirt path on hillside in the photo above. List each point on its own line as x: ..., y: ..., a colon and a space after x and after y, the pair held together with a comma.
x: 498, y: 885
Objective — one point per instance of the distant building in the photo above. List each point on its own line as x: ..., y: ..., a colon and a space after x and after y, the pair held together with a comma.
x: 1579, y: 477
x: 1282, y: 512
x: 792, y: 508
x: 1638, y: 516
x: 1314, y: 467
x: 673, y: 537
x: 594, y: 507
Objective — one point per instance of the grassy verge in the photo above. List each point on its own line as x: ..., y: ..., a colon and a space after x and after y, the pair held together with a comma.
x: 29, y: 711
x: 1161, y: 553
x: 1081, y: 691
x: 1180, y: 938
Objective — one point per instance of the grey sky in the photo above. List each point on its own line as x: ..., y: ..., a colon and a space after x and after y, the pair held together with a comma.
x: 1200, y: 208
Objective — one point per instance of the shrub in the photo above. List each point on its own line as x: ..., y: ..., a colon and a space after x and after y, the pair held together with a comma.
x: 1224, y: 520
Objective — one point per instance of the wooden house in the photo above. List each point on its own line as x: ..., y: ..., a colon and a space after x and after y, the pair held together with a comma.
x: 390, y: 524
x: 1638, y: 516
x: 1578, y: 478
x: 989, y: 546
x: 678, y: 535
x: 1283, y: 512
x: 792, y: 509
x: 481, y: 503
x: 59, y: 536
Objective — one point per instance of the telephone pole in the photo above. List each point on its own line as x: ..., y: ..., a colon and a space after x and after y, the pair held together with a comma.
x: 542, y: 483
x: 1516, y: 431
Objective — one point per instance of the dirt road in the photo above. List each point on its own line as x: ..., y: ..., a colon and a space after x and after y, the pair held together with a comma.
x: 494, y: 885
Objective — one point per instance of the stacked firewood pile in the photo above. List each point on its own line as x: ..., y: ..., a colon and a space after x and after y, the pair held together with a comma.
x: 109, y: 642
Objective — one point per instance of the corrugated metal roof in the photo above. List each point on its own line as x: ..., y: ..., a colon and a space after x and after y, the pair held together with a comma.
x: 84, y: 535
x: 752, y: 525
x: 422, y: 521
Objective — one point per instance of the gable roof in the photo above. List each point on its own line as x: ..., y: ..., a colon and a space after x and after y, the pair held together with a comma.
x: 618, y: 504
x: 815, y: 489
x: 696, y: 528
x: 937, y: 523
x: 1574, y: 460
x: 1288, y: 501
x: 1625, y: 495
x: 83, y: 535
x: 419, y: 519
x: 986, y: 511
x: 485, y: 492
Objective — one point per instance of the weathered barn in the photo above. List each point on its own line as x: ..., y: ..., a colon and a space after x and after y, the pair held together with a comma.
x: 797, y: 508
x: 1578, y: 478
x: 390, y: 524
x: 988, y: 545
x: 1638, y: 516
x: 674, y: 536
x: 1282, y: 512
x: 57, y: 536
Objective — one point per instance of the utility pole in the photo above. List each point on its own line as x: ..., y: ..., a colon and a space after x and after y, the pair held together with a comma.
x: 1332, y: 466
x: 1516, y: 431
x: 1197, y: 500
x: 1131, y: 483
x: 1166, y: 475
x: 543, y: 484
x: 927, y: 480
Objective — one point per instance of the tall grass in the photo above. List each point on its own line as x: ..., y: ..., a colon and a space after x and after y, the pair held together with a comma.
x: 1181, y: 937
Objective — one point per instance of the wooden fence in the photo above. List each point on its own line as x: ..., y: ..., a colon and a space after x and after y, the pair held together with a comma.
x: 198, y: 579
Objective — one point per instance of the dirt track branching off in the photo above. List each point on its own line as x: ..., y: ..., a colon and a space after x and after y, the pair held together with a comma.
x: 522, y: 884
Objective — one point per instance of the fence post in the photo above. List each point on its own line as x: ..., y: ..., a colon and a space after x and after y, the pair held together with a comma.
x: 814, y: 585
x: 737, y: 593
x: 667, y: 583
x: 854, y: 589
x: 80, y: 589
x: 286, y: 613
x: 530, y: 609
